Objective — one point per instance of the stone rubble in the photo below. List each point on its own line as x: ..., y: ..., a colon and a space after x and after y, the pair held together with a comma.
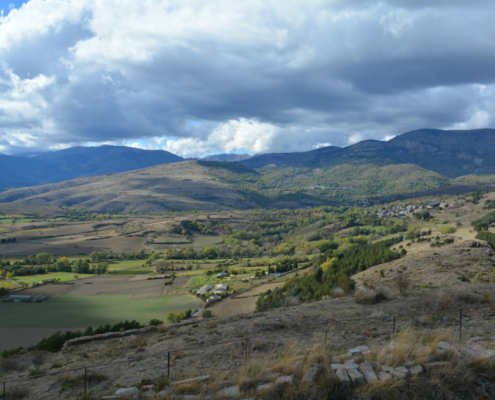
x: 345, y: 368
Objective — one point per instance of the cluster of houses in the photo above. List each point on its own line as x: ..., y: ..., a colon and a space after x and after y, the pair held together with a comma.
x: 218, y: 290
x: 409, y: 210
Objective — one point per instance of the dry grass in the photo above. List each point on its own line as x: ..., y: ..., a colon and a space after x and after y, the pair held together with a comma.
x: 372, y: 295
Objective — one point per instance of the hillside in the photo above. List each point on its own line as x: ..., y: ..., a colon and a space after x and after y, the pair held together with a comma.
x: 450, y: 153
x: 77, y: 162
x: 179, y: 186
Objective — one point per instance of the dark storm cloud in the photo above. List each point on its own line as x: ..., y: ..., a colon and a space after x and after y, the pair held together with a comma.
x: 201, y: 76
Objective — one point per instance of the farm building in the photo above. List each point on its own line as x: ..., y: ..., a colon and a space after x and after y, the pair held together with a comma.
x: 222, y: 275
x: 20, y: 298
x: 221, y: 288
x: 213, y: 299
x: 205, y: 289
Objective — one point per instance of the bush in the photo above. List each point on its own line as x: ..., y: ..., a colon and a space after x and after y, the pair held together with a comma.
x: 448, y: 230
x: 401, y: 282
x: 155, y: 322
x: 206, y: 314
x: 372, y: 296
x: 171, y: 317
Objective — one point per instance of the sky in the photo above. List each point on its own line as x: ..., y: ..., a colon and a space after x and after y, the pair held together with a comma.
x: 198, y: 77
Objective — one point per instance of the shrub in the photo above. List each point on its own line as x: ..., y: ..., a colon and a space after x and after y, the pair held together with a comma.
x: 155, y: 322
x: 206, y: 314
x: 337, y: 292
x: 401, y: 283
x: 448, y: 229
x: 372, y: 296
x: 188, y: 313
x: 17, y: 392
x: 171, y: 317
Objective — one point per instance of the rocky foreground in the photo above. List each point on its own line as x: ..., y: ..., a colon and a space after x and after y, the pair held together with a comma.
x: 304, y: 352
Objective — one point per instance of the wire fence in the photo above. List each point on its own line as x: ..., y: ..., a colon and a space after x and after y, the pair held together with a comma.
x: 182, y: 361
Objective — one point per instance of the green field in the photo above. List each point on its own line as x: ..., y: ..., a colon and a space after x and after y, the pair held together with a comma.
x: 6, y: 284
x: 63, y: 276
x: 83, y: 311
x: 201, y: 280
x: 125, y: 264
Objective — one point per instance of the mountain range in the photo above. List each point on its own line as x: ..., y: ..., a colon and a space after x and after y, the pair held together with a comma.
x: 450, y: 153
x: 117, y: 178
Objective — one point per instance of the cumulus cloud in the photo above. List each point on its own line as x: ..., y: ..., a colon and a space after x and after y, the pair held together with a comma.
x: 203, y: 76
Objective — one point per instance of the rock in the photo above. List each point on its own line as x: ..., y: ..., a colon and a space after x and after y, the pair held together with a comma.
x: 147, y: 387
x: 368, y: 372
x: 149, y: 394
x: 447, y: 347
x: 285, y: 380
x: 311, y: 374
x: 402, y: 371
x: 163, y: 393
x: 420, y: 350
x: 127, y: 393
x: 383, y: 376
x: 358, y: 350
x: 356, y: 377
x: 475, y: 339
x: 476, y: 352
x: 231, y: 391
x: 345, y: 366
x: 343, y: 376
x: 351, y: 361
x: 201, y: 341
x: 409, y: 363
x: 436, y: 365
x: 191, y: 380
x: 416, y: 370
x: 265, y: 386
x: 298, y: 367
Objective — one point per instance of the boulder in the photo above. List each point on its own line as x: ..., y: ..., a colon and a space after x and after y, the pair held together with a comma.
x: 356, y: 377
x: 265, y: 386
x: 447, y: 347
x: 312, y: 374
x: 127, y: 393
x: 285, y: 380
x: 191, y: 380
x: 383, y: 376
x: 345, y: 366
x: 368, y: 372
x: 231, y: 391
x: 416, y: 370
x: 343, y: 376
x: 476, y: 352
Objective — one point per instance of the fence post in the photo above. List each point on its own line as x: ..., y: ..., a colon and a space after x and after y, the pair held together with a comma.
x: 326, y: 334
x: 246, y: 352
x: 168, y: 365
x: 85, y: 380
x: 393, y: 327
x: 460, y: 324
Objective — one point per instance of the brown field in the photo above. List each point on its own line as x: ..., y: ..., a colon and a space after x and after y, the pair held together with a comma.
x: 137, y: 289
x: 13, y: 338
x: 261, y: 288
x: 229, y: 307
x: 50, y: 290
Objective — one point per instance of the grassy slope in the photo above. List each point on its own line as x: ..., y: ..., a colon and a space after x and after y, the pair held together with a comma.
x: 78, y: 311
